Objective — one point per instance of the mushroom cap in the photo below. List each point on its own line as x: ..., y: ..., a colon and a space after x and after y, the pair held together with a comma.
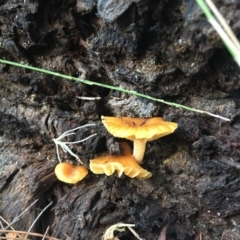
x: 121, y: 164
x: 69, y: 173
x: 138, y: 128
x: 15, y: 235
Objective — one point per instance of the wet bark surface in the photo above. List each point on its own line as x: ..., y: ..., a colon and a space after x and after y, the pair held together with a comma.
x: 165, y: 49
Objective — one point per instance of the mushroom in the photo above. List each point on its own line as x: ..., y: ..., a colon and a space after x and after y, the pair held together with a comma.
x: 122, y: 164
x: 69, y: 173
x: 15, y: 235
x: 139, y: 130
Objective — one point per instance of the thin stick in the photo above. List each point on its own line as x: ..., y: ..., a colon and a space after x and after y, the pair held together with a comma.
x: 1, y: 224
x: 45, y: 234
x: 13, y: 238
x: 39, y: 215
x: 112, y: 87
x: 29, y: 233
x: 163, y: 233
x: 88, y: 98
x: 5, y: 221
x: 135, y: 233
x: 18, y: 217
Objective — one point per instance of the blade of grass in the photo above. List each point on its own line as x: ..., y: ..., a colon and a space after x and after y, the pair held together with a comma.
x: 88, y: 82
x: 227, y: 40
x: 224, y: 24
x: 39, y: 215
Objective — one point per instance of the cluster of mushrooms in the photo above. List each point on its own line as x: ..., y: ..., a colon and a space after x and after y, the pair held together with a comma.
x: 139, y: 130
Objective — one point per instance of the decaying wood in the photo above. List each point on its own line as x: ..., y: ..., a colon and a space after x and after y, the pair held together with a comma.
x: 165, y: 49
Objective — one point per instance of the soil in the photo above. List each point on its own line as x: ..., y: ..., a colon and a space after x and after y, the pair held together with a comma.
x: 165, y: 49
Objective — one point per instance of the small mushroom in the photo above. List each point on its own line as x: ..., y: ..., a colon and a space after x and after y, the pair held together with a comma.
x: 14, y: 235
x: 121, y: 164
x: 139, y: 131
x: 69, y: 173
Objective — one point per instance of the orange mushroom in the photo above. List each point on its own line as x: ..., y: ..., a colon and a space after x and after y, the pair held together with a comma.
x: 69, y: 173
x: 13, y: 235
x: 139, y: 131
x: 121, y: 164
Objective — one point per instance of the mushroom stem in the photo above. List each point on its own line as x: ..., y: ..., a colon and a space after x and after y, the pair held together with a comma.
x: 139, y: 146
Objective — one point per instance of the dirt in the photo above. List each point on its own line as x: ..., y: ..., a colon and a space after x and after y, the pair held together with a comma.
x: 165, y: 49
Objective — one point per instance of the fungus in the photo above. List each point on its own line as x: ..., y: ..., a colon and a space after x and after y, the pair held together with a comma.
x: 69, y: 173
x: 139, y: 130
x: 14, y: 235
x: 121, y: 164
x: 64, y: 146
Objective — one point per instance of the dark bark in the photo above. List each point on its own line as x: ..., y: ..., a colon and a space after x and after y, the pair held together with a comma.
x: 165, y: 49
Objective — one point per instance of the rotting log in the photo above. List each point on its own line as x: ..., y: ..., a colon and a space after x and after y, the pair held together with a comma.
x: 165, y: 49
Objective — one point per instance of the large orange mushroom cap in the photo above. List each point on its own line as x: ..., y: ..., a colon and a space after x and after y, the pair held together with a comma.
x: 69, y: 173
x: 138, y: 130
x: 121, y: 164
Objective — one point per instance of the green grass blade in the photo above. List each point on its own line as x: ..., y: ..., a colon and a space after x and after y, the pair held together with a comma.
x: 88, y: 82
x: 232, y: 48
